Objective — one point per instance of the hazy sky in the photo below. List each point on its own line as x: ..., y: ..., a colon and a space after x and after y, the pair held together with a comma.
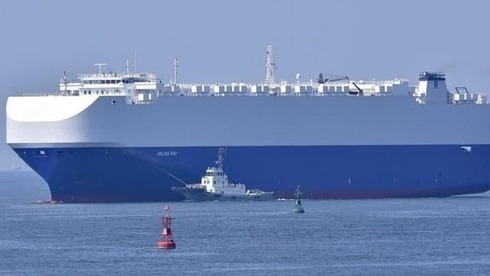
x: 224, y: 41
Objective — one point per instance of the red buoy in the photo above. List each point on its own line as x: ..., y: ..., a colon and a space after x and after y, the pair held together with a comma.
x: 167, y: 240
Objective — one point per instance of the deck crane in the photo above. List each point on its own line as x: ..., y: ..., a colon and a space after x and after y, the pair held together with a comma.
x: 358, y: 92
x: 322, y: 79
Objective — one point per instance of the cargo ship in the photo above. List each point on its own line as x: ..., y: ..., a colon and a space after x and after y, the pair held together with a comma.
x: 130, y: 137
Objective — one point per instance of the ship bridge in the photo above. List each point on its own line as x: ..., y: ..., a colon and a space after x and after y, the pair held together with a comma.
x: 136, y: 87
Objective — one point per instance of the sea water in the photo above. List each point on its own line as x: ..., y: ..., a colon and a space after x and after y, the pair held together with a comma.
x: 437, y: 236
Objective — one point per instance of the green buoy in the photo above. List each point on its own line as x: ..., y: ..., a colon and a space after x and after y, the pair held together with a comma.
x: 297, y: 207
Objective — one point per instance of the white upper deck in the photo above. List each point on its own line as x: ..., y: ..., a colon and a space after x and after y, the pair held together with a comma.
x: 145, y: 88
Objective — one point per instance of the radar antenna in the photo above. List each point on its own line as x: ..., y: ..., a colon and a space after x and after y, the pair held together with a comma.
x: 270, y: 67
x: 100, y: 65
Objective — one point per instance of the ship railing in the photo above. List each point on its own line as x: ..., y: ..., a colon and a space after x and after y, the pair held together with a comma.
x: 119, y: 75
x: 310, y: 83
x: 266, y: 94
x: 42, y: 94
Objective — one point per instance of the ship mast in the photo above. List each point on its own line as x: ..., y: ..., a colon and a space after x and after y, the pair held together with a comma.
x: 270, y: 67
x: 65, y: 82
x: 219, y: 162
x: 176, y: 72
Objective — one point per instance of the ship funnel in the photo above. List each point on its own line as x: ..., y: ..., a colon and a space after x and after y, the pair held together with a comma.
x: 432, y: 87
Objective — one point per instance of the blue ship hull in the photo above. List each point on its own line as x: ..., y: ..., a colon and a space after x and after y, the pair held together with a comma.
x: 114, y: 174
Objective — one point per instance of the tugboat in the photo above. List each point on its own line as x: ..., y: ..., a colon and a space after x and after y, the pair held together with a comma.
x: 297, y: 207
x: 216, y: 186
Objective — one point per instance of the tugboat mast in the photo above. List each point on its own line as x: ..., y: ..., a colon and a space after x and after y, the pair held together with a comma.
x: 219, y: 162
